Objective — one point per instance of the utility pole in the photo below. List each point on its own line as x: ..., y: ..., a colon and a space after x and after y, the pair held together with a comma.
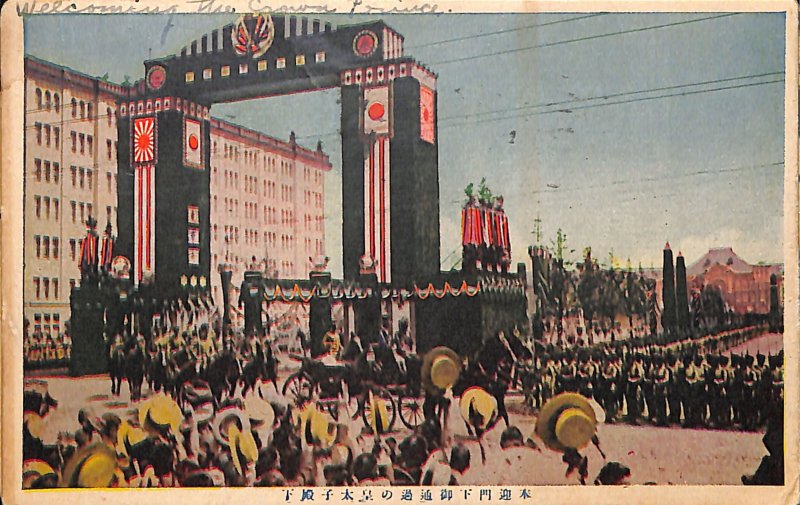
x: 537, y: 229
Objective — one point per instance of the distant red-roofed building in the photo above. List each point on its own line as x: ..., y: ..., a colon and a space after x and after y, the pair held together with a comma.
x: 744, y: 287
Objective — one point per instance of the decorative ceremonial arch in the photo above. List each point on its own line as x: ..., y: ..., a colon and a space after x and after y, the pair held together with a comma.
x: 390, y: 193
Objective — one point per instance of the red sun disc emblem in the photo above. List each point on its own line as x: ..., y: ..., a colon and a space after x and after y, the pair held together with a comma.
x: 365, y: 43
x: 193, y: 142
x: 143, y: 142
x: 376, y: 111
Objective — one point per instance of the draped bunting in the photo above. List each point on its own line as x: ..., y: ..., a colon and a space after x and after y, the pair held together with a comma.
x: 305, y: 294
x: 88, y: 257
x: 482, y: 226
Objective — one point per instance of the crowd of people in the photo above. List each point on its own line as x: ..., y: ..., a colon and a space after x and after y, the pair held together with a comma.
x: 215, y: 415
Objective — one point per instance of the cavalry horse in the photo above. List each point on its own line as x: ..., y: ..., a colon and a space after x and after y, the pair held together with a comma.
x: 116, y: 370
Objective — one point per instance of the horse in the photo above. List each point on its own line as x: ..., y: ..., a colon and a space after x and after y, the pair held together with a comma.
x: 116, y: 370
x: 222, y: 374
x: 135, y: 364
x: 157, y: 371
x: 261, y: 366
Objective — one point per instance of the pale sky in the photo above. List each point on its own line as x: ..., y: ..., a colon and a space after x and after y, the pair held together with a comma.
x: 616, y: 137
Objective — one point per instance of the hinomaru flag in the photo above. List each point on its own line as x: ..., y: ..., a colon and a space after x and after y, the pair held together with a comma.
x: 192, y: 144
x: 376, y: 110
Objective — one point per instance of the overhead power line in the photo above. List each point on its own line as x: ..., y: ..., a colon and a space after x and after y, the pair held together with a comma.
x: 499, y: 32
x: 582, y: 39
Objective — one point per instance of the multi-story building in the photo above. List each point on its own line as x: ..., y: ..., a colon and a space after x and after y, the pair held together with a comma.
x: 267, y: 204
x: 70, y: 174
x: 744, y: 287
x: 266, y: 195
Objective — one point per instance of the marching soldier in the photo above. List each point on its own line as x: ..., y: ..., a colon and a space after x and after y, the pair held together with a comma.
x: 675, y: 387
x: 659, y: 379
x: 609, y: 378
x: 633, y: 392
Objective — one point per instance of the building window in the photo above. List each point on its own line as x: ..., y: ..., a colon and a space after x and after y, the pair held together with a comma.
x: 47, y: 135
x: 108, y: 212
x: 108, y: 180
x: 108, y: 148
x: 55, y: 207
x: 38, y: 241
x: 46, y: 285
x: 38, y: 98
x: 89, y: 177
x: 46, y: 247
x: 83, y: 109
x: 55, y: 247
x: 47, y: 207
x: 74, y: 107
x: 38, y: 201
x: 72, y: 249
x: 37, y: 170
x: 89, y: 209
x: 56, y: 172
x: 57, y: 135
x: 73, y: 205
x: 83, y: 215
x: 82, y: 139
x: 89, y: 110
x: 74, y: 172
x: 57, y: 101
x: 90, y: 142
x: 38, y: 127
x: 55, y: 289
x: 73, y: 137
x: 82, y: 177
x: 47, y: 103
x: 36, y: 285
x: 47, y: 171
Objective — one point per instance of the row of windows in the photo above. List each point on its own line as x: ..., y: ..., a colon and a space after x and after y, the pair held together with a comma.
x: 313, y: 247
x: 47, y: 134
x: 48, y: 247
x: 46, y: 169
x: 47, y: 101
x: 86, y: 142
x: 41, y: 288
x: 55, y: 318
x: 312, y: 198
x: 43, y: 205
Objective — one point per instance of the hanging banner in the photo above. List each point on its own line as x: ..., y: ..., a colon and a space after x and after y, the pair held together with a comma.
x: 426, y: 114
x: 192, y: 144
x: 376, y: 110
x: 144, y: 140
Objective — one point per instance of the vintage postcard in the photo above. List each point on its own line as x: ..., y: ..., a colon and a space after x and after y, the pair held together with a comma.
x: 429, y: 253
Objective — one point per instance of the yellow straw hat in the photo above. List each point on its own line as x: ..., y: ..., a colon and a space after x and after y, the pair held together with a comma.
x: 243, y: 447
x: 476, y: 405
x: 128, y: 436
x: 317, y: 426
x: 225, y: 418
x: 441, y: 367
x: 92, y: 466
x: 33, y: 470
x: 566, y: 422
x: 161, y: 411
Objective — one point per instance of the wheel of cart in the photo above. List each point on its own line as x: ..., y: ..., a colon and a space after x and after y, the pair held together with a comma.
x: 386, y: 396
x: 298, y: 388
x: 410, y: 407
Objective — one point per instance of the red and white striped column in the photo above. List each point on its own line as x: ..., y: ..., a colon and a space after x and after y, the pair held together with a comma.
x: 144, y: 212
x: 377, y: 206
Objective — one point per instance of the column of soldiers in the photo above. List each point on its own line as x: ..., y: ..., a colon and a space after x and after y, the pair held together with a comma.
x: 44, y: 350
x: 663, y: 386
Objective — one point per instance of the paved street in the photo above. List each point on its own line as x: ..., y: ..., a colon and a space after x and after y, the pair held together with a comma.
x: 660, y: 455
